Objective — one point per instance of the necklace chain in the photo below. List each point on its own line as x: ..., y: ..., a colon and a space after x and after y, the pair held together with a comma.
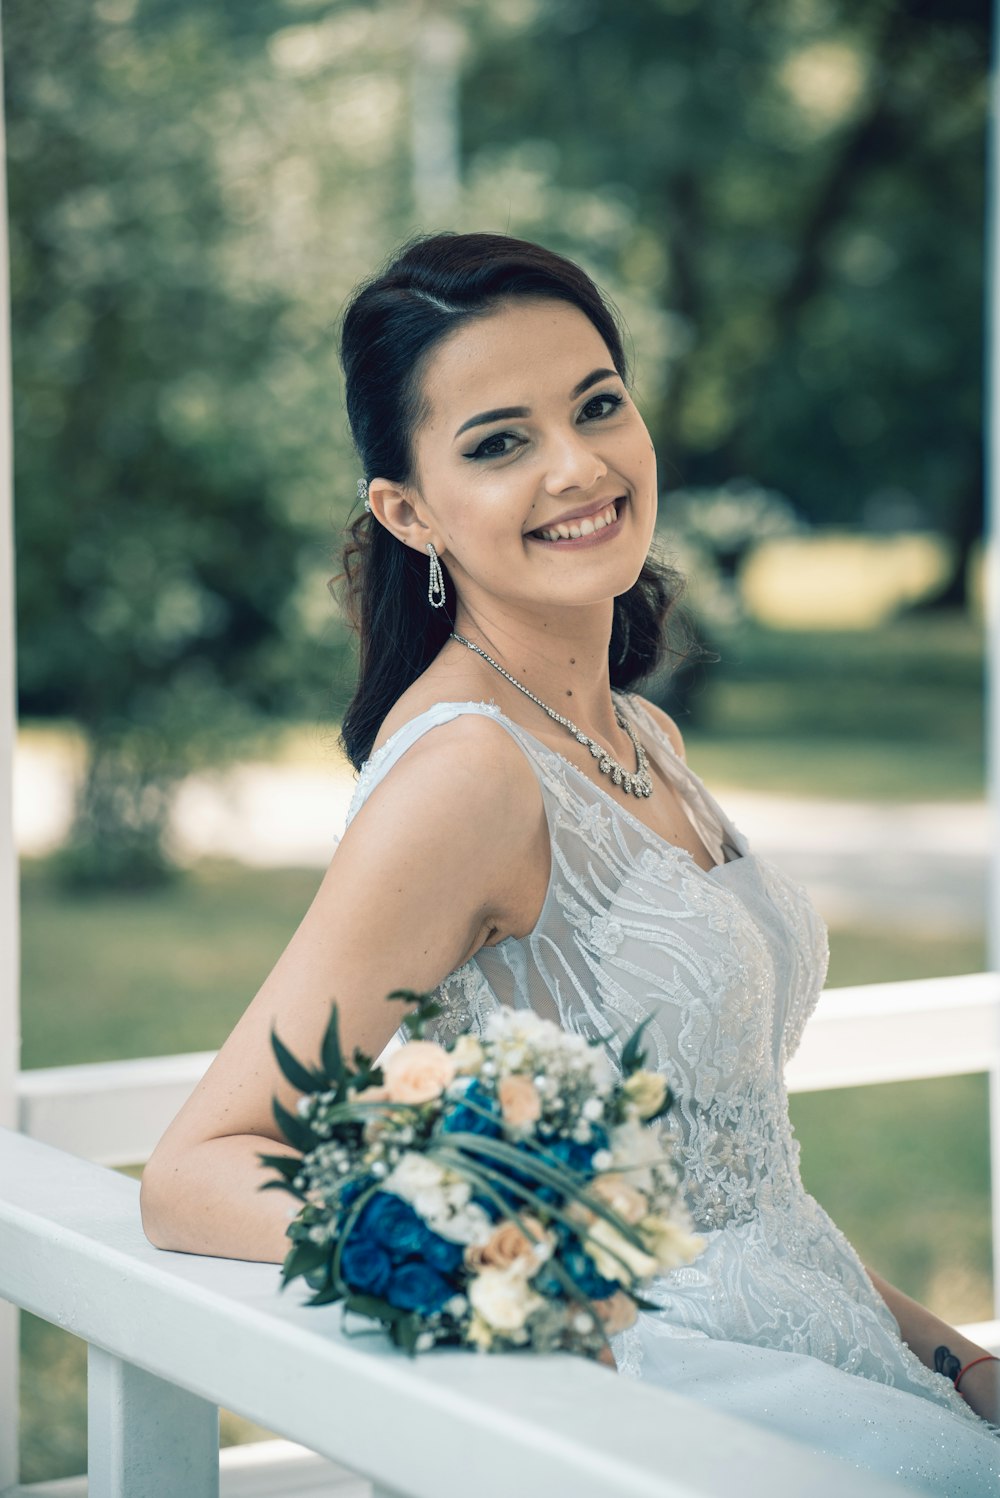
x: 637, y: 783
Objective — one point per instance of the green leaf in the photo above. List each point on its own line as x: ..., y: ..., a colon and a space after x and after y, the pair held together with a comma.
x: 405, y: 1332
x: 427, y: 1009
x: 332, y: 1056
x: 633, y: 1056
x: 374, y: 1306
x: 283, y: 1186
x: 297, y: 1132
x: 300, y: 1076
x: 286, y: 1165
x: 326, y: 1297
x: 303, y: 1258
x: 664, y: 1108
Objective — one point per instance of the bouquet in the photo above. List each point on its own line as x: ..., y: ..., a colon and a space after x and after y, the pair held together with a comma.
x: 505, y: 1191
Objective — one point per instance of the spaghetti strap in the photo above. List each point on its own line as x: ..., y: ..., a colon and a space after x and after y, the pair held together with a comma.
x: 374, y: 769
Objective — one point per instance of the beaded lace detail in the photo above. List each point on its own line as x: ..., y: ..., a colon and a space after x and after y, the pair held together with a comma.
x: 729, y: 962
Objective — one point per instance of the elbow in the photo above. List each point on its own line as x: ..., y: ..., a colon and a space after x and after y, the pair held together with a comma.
x: 159, y: 1192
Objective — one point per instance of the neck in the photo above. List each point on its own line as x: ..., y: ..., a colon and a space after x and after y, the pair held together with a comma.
x: 562, y: 659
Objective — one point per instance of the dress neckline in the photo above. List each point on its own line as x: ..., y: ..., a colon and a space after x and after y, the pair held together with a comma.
x: 732, y: 834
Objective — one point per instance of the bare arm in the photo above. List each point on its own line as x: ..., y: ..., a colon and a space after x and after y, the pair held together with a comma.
x: 441, y: 857
x: 924, y: 1333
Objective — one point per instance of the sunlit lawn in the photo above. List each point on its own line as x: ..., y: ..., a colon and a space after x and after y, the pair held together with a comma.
x: 897, y: 1166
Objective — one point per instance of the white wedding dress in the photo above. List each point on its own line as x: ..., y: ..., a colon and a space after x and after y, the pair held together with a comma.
x: 777, y: 1321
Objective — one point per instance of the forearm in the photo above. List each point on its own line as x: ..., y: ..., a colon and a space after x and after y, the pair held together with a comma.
x: 924, y: 1333
x: 208, y: 1200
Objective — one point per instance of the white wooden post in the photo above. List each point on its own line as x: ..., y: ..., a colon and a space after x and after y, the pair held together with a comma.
x: 434, y: 113
x: 992, y: 469
x: 147, y: 1438
x: 10, y: 1047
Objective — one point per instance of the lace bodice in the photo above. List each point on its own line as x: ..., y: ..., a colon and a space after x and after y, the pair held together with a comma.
x: 729, y: 963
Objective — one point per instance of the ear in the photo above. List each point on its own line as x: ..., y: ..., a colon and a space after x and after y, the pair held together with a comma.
x: 397, y: 507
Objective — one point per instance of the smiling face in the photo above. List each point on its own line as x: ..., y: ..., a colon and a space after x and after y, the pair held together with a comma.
x: 534, y: 474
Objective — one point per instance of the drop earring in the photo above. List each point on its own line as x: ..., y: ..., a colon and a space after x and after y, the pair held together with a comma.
x: 435, y: 580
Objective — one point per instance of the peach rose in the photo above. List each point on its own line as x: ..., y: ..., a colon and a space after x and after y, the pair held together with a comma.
x: 577, y: 1212
x: 616, y: 1312
x: 506, y: 1244
x: 419, y: 1071
x: 621, y: 1196
x: 519, y: 1100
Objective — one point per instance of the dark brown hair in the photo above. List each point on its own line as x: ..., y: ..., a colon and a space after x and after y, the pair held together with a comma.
x: 392, y: 323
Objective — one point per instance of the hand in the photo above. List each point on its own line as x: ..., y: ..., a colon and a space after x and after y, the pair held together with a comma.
x: 607, y: 1357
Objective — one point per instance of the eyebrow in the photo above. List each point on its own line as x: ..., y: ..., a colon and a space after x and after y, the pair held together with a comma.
x: 505, y: 413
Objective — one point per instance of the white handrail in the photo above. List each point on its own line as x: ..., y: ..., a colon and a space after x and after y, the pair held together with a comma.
x: 114, y: 1111
x: 178, y: 1334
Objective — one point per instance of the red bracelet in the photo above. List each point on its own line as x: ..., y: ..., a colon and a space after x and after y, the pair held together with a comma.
x: 987, y: 1357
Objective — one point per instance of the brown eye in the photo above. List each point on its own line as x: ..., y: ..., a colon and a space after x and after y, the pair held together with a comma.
x: 493, y: 447
x: 601, y: 406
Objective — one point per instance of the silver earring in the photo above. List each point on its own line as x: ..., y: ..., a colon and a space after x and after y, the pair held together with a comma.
x: 435, y: 581
x: 363, y: 493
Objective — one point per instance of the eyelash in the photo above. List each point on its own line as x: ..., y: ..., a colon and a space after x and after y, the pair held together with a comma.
x: 478, y: 453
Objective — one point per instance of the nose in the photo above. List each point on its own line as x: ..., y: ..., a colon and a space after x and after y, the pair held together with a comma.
x: 573, y: 463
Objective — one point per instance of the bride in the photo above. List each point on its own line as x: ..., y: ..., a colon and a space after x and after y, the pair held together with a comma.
x: 526, y: 831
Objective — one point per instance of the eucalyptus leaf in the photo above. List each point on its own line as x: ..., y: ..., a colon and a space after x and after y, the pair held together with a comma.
x: 294, y: 1129
x: 301, y: 1077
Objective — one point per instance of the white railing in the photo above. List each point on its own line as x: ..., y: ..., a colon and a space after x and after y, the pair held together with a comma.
x: 172, y: 1336
x: 115, y: 1111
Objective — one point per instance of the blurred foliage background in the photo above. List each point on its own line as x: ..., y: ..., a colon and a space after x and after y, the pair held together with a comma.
x: 785, y: 199
x: 793, y: 235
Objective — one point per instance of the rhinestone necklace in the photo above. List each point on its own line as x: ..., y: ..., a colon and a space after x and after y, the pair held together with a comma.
x: 638, y: 784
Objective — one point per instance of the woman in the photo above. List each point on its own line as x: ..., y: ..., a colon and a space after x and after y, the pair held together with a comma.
x: 526, y: 831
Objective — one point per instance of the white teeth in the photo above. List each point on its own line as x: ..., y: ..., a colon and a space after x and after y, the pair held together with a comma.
x: 577, y: 528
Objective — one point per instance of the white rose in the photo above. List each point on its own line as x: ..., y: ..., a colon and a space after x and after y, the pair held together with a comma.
x: 607, y: 1247
x: 470, y: 1224
x: 503, y: 1298
x: 646, y: 1089
x: 634, y: 1147
x: 669, y: 1242
x: 414, y: 1175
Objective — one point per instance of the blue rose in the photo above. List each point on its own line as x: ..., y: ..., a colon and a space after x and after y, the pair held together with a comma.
x: 580, y: 1268
x: 460, y: 1118
x: 393, y: 1223
x: 440, y: 1253
x: 351, y: 1190
x: 417, y: 1287
x: 577, y: 1156
x: 365, y: 1266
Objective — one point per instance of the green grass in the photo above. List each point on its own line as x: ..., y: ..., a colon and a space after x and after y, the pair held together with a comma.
x: 115, y: 976
x: 864, y: 769
x: 893, y: 714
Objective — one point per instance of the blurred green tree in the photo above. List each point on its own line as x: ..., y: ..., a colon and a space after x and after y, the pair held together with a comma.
x: 798, y: 184
x: 172, y: 395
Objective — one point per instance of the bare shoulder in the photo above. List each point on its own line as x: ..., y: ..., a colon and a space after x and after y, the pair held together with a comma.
x: 665, y: 721
x: 461, y: 811
x: 469, y: 762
